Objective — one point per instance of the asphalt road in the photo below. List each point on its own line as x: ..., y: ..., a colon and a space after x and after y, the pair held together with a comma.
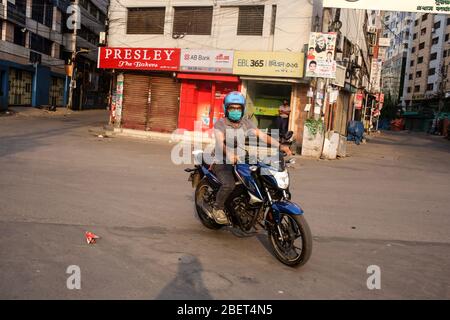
x: 387, y: 205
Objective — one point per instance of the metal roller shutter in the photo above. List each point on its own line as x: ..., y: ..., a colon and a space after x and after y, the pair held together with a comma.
x: 164, y: 106
x: 135, y: 101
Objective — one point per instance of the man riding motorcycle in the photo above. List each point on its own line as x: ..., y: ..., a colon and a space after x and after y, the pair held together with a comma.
x: 235, y: 124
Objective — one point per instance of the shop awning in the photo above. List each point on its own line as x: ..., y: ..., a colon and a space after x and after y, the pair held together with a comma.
x: 210, y: 77
x: 268, y: 79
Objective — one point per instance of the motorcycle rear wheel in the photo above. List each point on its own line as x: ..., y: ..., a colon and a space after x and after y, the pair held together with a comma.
x: 294, y: 230
x: 200, y: 194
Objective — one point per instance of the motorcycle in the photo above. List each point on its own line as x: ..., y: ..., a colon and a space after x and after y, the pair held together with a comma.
x: 261, y: 198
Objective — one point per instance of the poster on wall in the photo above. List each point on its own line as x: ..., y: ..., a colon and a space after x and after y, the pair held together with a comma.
x: 210, y: 61
x: 359, y: 101
x: 425, y: 6
x: 320, y: 61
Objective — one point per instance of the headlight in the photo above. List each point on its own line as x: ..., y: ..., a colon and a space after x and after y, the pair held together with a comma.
x: 282, y: 178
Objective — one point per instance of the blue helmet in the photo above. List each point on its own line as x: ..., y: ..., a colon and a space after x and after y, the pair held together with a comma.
x: 234, y: 97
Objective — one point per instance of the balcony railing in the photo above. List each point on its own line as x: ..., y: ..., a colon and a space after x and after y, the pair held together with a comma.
x: 2, y: 11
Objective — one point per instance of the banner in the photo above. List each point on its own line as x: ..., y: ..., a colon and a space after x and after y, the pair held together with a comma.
x: 375, y: 75
x: 271, y: 64
x: 320, y: 59
x: 425, y: 6
x: 211, y: 61
x: 359, y: 101
x: 165, y: 59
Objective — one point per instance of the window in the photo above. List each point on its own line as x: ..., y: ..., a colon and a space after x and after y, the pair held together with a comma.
x: 409, y: 89
x: 422, y: 45
x: 418, y: 74
x: 416, y: 88
x: 412, y: 63
x: 419, y: 60
x: 146, y: 20
x: 433, y: 56
x: 415, y: 36
x: 88, y: 35
x: 423, y: 31
x: 447, y: 36
x: 448, y: 21
x: 42, y: 12
x: 435, y: 40
x: 416, y: 23
x: 425, y: 17
x: 251, y: 21
x: 410, y: 76
x: 413, y: 49
x: 430, y: 87
x: 93, y: 10
x: 273, y: 19
x: 40, y: 44
x: 192, y: 20
x: 437, y: 25
x: 19, y: 36
x: 432, y: 71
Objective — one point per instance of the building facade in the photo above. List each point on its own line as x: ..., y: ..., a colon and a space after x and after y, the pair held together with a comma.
x: 397, y: 27
x: 35, y: 46
x: 256, y: 47
x: 426, y: 85
x: 31, y: 53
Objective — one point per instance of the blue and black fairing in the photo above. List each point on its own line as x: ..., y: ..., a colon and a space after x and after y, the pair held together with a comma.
x: 285, y: 207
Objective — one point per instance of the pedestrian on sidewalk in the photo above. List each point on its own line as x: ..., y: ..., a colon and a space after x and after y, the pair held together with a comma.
x: 283, y: 118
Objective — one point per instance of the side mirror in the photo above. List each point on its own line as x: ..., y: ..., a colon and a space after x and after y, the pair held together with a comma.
x: 291, y: 161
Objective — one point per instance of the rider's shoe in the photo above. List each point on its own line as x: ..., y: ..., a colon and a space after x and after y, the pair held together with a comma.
x: 219, y: 216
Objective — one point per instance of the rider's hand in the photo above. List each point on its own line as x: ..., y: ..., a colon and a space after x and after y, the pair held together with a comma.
x: 233, y: 158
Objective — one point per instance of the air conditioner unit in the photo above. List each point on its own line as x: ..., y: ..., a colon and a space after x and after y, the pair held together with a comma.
x: 102, y: 38
x: 372, y: 29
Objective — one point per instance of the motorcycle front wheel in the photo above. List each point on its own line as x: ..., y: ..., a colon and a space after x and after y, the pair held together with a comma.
x: 291, y: 240
x: 203, y: 193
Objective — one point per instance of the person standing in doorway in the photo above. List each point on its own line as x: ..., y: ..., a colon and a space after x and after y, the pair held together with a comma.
x: 283, y: 119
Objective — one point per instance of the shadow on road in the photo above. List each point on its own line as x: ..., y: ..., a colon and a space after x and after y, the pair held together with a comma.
x: 188, y: 283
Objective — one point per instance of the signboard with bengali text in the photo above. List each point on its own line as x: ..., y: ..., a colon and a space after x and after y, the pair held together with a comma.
x: 425, y: 6
x: 209, y: 61
x: 269, y: 64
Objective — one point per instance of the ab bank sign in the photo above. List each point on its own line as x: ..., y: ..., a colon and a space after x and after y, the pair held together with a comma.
x: 425, y: 6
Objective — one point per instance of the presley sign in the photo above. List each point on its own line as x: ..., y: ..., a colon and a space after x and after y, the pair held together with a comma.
x: 166, y: 59
x: 212, y: 61
x: 430, y: 6
x: 272, y: 64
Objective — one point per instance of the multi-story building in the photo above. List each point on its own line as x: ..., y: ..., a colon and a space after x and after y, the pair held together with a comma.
x: 446, y: 55
x: 427, y: 62
x: 92, y: 84
x: 256, y: 47
x: 31, y: 53
x: 396, y: 26
x: 35, y: 45
x: 357, y: 40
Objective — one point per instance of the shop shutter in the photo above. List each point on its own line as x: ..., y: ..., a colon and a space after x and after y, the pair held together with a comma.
x: 163, y: 113
x: 135, y: 101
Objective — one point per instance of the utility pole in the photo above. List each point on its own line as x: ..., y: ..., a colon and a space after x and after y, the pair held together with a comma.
x: 76, y: 15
